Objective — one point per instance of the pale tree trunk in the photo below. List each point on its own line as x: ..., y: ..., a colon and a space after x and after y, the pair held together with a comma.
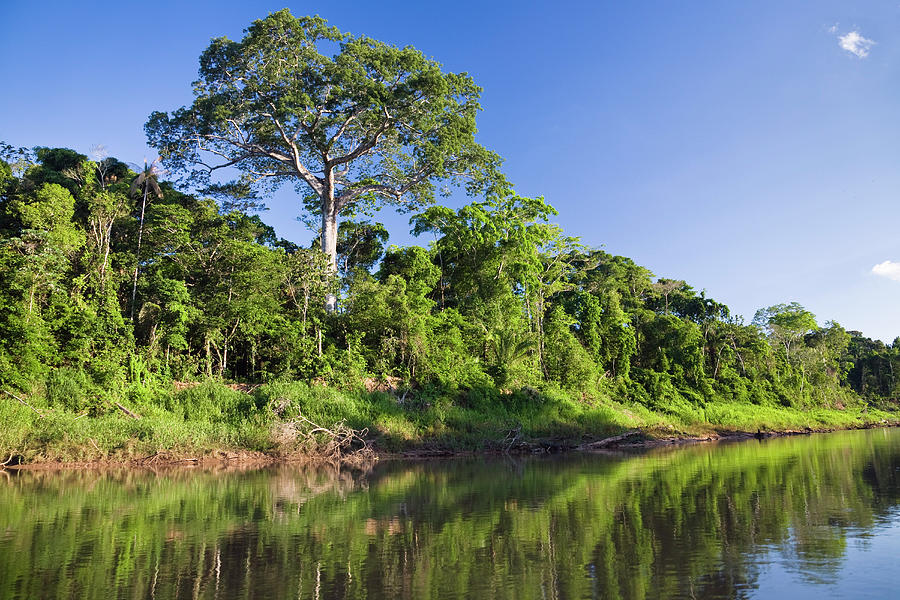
x: 138, y: 253
x: 106, y: 247
x: 329, y: 236
x: 102, y: 232
x: 329, y: 247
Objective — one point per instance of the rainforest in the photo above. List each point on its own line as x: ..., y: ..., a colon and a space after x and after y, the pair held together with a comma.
x: 149, y: 310
x: 197, y: 318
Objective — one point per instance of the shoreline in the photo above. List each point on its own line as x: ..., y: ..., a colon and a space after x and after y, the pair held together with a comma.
x: 246, y: 459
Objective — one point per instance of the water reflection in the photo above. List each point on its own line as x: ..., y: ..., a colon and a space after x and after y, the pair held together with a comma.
x: 777, y: 518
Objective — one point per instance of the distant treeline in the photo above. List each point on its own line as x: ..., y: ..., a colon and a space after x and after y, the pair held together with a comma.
x: 109, y: 276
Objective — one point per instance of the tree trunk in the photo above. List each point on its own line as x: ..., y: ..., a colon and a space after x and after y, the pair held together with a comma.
x: 137, y: 266
x: 329, y: 243
x: 224, y: 360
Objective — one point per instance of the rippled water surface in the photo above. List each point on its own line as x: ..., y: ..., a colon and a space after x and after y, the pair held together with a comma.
x: 805, y: 517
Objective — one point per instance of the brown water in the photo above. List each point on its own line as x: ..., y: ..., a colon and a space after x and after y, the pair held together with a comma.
x: 805, y: 517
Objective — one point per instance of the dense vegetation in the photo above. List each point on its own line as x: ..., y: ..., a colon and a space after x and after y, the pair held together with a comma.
x: 114, y: 284
x: 501, y: 320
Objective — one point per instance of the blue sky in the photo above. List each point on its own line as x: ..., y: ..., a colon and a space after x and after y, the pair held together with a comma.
x: 751, y: 149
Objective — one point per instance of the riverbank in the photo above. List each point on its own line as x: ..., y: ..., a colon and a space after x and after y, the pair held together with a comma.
x: 241, y: 460
x: 287, y: 421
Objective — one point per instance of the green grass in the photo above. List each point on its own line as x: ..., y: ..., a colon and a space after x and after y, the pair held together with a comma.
x: 211, y: 417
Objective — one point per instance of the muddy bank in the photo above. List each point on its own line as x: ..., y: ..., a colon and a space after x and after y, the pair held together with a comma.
x: 636, y: 439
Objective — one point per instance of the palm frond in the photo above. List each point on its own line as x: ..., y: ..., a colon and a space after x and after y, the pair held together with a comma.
x: 154, y: 185
x: 136, y: 184
x: 148, y: 176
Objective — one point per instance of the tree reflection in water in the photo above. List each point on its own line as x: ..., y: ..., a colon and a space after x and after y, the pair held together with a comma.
x: 705, y: 521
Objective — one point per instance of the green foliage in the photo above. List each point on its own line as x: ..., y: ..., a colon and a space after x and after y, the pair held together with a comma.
x: 71, y: 390
x: 214, y: 403
x: 370, y: 125
x: 868, y: 367
x: 500, y: 306
x: 606, y: 332
x: 114, y: 284
x: 360, y: 245
x: 786, y: 323
x: 568, y: 363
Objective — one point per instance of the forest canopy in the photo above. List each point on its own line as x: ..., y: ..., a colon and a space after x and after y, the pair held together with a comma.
x: 501, y: 299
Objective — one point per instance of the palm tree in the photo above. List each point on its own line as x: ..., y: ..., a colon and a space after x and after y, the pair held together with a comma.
x: 510, y: 349
x: 147, y: 180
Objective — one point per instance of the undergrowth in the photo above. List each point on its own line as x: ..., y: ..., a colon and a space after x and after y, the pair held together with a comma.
x: 67, y: 421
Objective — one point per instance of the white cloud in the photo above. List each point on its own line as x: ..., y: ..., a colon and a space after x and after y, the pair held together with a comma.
x: 889, y: 269
x: 855, y: 43
x: 833, y: 28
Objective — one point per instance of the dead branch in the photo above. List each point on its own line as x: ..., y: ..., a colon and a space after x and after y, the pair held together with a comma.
x: 128, y: 412
x: 338, y: 444
x: 23, y: 402
x: 512, y: 437
x: 146, y: 460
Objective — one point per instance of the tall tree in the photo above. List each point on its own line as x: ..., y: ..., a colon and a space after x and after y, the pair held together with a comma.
x: 146, y: 181
x: 371, y: 124
x: 786, y: 323
x: 665, y: 287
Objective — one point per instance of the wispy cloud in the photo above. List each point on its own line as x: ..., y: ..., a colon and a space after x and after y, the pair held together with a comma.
x: 855, y: 43
x: 889, y: 269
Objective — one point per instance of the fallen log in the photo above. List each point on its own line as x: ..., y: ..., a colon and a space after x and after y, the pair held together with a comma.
x: 606, y: 442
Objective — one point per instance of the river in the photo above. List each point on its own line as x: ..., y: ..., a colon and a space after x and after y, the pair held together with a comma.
x: 802, y: 517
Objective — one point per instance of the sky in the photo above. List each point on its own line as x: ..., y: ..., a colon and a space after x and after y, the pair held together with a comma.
x: 748, y: 148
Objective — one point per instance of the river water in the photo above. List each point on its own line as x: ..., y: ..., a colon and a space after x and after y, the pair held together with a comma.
x: 803, y: 517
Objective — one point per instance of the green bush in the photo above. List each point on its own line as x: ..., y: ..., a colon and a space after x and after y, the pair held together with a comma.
x: 214, y: 403
x: 72, y: 390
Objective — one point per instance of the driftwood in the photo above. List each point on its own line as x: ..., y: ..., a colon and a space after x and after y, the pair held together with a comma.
x: 338, y: 444
x: 128, y: 412
x: 512, y: 437
x: 606, y: 442
x: 163, y: 456
x: 23, y: 402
